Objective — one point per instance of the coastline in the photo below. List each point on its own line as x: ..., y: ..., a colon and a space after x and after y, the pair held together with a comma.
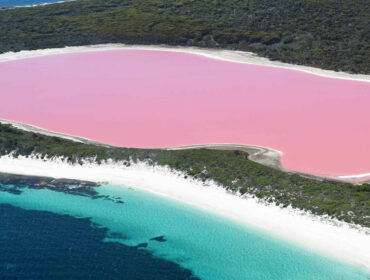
x: 326, y: 236
x: 220, y: 54
x: 36, y: 129
x: 34, y: 5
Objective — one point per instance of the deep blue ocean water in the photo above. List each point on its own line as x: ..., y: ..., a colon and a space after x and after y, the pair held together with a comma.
x: 18, y: 3
x: 128, y: 234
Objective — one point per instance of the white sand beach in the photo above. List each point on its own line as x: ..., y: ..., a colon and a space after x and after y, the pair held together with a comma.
x: 322, y: 235
x: 226, y: 55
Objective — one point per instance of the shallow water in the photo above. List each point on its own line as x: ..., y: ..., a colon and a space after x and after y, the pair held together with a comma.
x: 211, y: 247
x: 19, y: 3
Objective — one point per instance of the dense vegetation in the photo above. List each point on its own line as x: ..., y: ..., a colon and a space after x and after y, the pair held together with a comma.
x: 230, y: 169
x: 331, y: 34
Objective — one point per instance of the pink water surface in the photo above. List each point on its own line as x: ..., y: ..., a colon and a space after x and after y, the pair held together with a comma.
x: 155, y: 99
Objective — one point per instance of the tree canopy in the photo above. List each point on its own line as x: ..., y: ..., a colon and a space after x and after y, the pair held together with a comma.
x: 329, y: 34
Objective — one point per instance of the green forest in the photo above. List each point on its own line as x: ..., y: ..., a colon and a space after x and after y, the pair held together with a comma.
x: 230, y: 169
x: 330, y: 34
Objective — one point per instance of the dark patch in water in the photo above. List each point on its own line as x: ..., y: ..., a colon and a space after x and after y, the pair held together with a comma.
x: 159, y: 238
x: 44, y: 245
x: 69, y: 186
x: 116, y: 235
x: 15, y: 183
x: 142, y: 245
x: 10, y: 189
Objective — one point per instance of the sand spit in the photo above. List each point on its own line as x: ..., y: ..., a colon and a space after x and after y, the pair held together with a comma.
x: 326, y: 236
x: 226, y: 55
x: 272, y: 158
x: 262, y: 155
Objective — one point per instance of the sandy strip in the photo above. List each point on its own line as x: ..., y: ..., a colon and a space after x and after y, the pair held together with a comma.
x: 355, y: 176
x: 36, y: 129
x: 328, y: 237
x: 226, y: 55
x: 266, y: 156
x: 354, y: 179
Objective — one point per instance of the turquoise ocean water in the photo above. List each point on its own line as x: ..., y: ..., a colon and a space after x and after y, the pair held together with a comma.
x: 211, y: 247
x: 19, y: 3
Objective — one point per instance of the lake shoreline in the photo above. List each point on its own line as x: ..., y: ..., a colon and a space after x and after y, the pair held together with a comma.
x: 260, y: 154
x: 219, y: 54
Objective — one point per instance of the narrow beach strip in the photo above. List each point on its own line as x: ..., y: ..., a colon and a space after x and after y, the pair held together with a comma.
x: 220, y: 54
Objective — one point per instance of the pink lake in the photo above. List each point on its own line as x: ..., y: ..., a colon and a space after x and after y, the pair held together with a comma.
x: 156, y: 99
